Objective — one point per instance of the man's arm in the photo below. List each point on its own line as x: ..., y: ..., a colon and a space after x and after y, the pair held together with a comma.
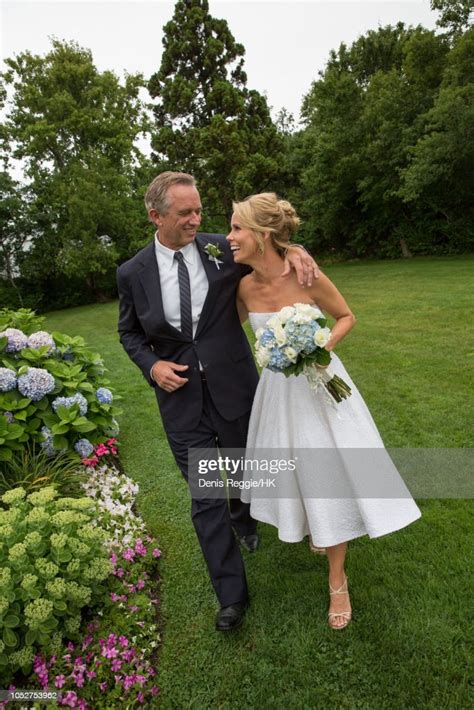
x: 131, y: 333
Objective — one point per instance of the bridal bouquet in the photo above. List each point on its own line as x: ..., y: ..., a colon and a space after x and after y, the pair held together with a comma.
x: 292, y: 342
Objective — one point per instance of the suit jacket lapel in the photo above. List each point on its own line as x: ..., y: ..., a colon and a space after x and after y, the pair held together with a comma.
x: 213, y: 275
x: 149, y: 276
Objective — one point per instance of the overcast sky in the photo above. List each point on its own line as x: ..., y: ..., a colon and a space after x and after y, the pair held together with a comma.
x: 286, y: 43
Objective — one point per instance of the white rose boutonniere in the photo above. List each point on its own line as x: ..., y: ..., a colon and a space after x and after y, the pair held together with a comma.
x: 214, y: 252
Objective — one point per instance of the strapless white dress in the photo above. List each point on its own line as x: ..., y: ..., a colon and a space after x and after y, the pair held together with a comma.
x: 287, y: 415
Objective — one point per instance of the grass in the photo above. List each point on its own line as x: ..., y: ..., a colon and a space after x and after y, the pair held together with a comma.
x: 411, y: 355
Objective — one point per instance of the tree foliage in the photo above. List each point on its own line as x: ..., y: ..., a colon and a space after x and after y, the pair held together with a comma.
x: 74, y: 129
x: 383, y: 159
x: 207, y: 122
x: 455, y: 15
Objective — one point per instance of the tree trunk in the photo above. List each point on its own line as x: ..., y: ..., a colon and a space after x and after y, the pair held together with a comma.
x: 406, y: 253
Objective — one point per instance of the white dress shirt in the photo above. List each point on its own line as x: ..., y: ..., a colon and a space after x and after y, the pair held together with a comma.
x: 168, y: 268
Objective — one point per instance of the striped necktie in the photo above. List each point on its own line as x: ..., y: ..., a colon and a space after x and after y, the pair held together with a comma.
x: 184, y: 297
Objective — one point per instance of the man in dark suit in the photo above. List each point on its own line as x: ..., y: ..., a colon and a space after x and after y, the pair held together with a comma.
x: 179, y: 324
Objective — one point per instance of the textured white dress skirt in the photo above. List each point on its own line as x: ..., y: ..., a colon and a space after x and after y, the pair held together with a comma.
x: 291, y: 418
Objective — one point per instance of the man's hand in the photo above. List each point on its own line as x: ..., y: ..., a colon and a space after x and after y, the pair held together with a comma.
x: 163, y: 372
x: 303, y: 263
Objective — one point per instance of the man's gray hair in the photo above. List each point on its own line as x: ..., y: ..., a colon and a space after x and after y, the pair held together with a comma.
x: 156, y: 195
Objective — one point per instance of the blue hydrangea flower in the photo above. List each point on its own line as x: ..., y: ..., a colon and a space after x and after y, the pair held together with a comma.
x: 40, y: 339
x: 17, y: 340
x: 68, y: 355
x: 68, y: 402
x: 104, y: 395
x: 7, y: 379
x: 267, y: 339
x: 9, y: 417
x: 36, y: 383
x: 84, y: 448
x: 47, y: 443
x: 300, y: 336
x: 278, y: 360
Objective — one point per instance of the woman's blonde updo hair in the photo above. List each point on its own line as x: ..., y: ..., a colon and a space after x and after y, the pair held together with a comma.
x: 266, y: 213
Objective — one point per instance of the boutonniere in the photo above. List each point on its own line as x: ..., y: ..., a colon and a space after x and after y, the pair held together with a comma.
x: 214, y: 252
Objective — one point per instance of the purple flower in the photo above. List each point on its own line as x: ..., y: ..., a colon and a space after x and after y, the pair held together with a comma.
x: 17, y: 340
x: 140, y: 548
x: 9, y: 417
x: 59, y: 681
x: 104, y: 396
x: 140, y: 584
x: 36, y: 383
x: 84, y: 448
x: 40, y: 339
x: 154, y: 690
x: 129, y: 554
x: 103, y: 686
x: 140, y: 697
x: 68, y: 402
x: 7, y: 379
x: 123, y: 641
x: 116, y: 664
x: 156, y: 552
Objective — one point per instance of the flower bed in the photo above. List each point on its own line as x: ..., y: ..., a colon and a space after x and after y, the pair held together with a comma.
x: 78, y: 575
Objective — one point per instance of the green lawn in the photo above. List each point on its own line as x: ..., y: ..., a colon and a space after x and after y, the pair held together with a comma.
x: 411, y: 354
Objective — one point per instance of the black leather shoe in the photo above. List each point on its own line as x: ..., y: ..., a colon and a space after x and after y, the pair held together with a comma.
x: 250, y: 542
x: 230, y: 617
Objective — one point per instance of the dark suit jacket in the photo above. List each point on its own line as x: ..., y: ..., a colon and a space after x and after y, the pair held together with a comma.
x: 219, y: 344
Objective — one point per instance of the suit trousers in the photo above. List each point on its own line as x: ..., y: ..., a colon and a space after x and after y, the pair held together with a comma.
x: 214, y: 519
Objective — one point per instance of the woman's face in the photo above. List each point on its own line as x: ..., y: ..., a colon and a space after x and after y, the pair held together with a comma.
x: 242, y: 242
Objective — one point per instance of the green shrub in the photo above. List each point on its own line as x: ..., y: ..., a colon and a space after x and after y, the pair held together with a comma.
x: 52, y: 564
x: 53, y: 390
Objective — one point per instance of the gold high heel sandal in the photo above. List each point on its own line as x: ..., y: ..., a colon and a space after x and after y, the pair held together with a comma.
x: 314, y: 548
x: 346, y: 615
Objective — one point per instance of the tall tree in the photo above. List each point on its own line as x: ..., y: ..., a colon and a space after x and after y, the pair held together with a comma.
x: 363, y: 117
x: 75, y: 129
x: 208, y: 122
x: 455, y: 15
x: 439, y: 174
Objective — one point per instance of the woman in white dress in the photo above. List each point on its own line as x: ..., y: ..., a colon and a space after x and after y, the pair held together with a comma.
x: 288, y: 414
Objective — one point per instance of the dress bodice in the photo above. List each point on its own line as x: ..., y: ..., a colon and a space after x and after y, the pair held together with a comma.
x: 259, y: 320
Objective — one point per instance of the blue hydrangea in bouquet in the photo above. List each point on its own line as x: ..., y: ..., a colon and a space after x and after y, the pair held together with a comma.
x: 293, y: 342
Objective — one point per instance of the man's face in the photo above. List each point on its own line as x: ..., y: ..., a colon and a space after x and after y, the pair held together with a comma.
x: 178, y: 227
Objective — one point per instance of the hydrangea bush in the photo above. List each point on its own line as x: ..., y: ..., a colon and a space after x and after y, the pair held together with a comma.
x: 53, y: 390
x: 53, y: 563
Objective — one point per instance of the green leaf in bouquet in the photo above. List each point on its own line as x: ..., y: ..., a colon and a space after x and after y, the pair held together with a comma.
x: 322, y: 357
